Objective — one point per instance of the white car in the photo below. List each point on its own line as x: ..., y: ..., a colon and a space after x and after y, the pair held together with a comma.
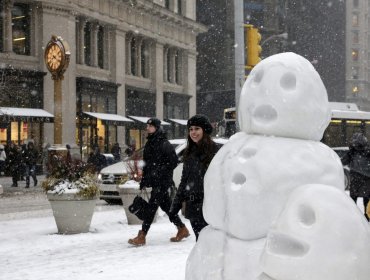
x: 111, y: 176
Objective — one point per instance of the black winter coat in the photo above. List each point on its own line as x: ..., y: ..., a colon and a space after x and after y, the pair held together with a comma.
x: 160, y: 160
x: 358, y: 160
x: 30, y: 157
x: 191, y: 188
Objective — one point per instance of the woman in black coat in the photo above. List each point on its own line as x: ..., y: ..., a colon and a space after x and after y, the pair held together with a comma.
x: 358, y: 160
x: 197, y: 157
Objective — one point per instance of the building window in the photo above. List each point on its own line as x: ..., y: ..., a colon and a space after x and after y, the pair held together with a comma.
x: 354, y: 55
x: 101, y: 47
x: 144, y: 59
x: 167, y: 4
x: 179, y: 7
x: 87, y: 41
x: 169, y: 68
x: 21, y: 33
x: 133, y: 48
x: 355, y: 20
x: 177, y: 67
x: 356, y: 37
x: 354, y: 73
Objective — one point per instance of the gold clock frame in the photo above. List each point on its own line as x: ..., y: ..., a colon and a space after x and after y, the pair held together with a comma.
x: 65, y: 54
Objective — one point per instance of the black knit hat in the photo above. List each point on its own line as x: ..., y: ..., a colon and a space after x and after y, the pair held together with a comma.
x: 201, y: 121
x: 154, y: 122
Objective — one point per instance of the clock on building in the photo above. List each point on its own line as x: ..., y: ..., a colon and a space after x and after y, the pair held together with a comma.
x: 57, y: 55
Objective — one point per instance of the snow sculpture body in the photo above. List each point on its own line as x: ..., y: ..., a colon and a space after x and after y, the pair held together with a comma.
x: 283, y: 112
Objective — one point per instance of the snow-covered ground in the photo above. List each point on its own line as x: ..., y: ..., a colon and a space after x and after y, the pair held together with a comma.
x: 30, y: 249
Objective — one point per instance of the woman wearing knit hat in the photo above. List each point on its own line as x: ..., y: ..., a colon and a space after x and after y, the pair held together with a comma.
x: 198, y: 154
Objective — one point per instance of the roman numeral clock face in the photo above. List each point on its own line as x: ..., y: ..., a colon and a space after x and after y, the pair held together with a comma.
x: 54, y: 57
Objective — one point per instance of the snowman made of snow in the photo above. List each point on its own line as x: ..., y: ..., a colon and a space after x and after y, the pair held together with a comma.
x: 274, y: 195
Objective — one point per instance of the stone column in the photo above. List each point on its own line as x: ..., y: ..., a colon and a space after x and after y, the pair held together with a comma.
x: 158, y: 78
x: 94, y: 44
x: 118, y: 70
x: 128, y: 52
x: 190, y: 79
x: 80, y: 51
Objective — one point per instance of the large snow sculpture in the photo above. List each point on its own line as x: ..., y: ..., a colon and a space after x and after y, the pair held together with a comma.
x: 320, y: 235
x: 283, y: 112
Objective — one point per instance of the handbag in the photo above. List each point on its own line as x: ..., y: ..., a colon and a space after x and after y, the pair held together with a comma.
x: 140, y: 206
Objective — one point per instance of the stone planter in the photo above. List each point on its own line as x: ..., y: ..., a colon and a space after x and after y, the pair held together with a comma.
x: 128, y: 192
x: 72, y: 213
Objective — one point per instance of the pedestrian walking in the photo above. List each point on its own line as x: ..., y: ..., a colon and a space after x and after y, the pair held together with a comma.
x: 198, y: 154
x: 14, y: 161
x: 116, y: 152
x: 160, y: 160
x: 96, y: 160
x: 358, y: 160
x: 2, y: 160
x: 30, y: 159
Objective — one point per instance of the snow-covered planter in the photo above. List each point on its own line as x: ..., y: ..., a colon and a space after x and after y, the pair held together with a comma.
x: 128, y: 191
x: 72, y: 191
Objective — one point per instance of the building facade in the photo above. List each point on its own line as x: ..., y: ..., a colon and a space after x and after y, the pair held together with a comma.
x: 128, y: 58
x: 357, y: 53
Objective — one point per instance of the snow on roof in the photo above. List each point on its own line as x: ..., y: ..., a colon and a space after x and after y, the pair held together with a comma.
x: 145, y: 119
x: 350, y: 111
x: 108, y: 117
x: 25, y: 112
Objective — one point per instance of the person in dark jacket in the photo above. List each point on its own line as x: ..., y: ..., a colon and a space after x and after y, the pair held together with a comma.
x: 358, y: 160
x: 97, y: 160
x: 30, y: 159
x: 198, y: 155
x: 160, y: 160
x: 14, y: 161
x: 116, y: 152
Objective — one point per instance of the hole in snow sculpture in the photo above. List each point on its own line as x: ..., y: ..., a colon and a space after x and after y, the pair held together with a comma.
x: 288, y: 81
x: 265, y: 113
x: 282, y: 244
x: 257, y: 78
x: 239, y: 179
x: 306, y: 215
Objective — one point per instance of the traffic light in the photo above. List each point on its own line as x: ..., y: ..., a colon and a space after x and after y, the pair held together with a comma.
x: 252, y: 42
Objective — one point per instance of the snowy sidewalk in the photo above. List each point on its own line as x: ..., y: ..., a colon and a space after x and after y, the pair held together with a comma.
x: 30, y: 249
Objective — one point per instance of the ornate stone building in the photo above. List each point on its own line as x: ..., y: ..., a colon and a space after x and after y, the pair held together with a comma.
x: 128, y: 58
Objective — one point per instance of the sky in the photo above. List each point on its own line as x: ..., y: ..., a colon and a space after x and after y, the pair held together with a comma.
x: 31, y: 249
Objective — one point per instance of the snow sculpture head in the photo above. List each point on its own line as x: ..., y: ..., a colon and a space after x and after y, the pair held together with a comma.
x: 320, y: 234
x: 284, y: 96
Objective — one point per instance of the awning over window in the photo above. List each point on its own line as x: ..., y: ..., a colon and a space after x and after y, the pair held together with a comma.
x: 10, y: 114
x: 145, y: 119
x: 179, y: 121
x: 109, y: 119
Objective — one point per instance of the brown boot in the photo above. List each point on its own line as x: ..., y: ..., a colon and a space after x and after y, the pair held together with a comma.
x: 139, y: 240
x: 181, y: 234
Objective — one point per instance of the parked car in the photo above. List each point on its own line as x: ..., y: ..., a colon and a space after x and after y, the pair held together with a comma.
x: 117, y: 173
x: 341, y: 151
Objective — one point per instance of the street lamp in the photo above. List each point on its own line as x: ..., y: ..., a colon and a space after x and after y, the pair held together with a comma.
x: 281, y: 36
